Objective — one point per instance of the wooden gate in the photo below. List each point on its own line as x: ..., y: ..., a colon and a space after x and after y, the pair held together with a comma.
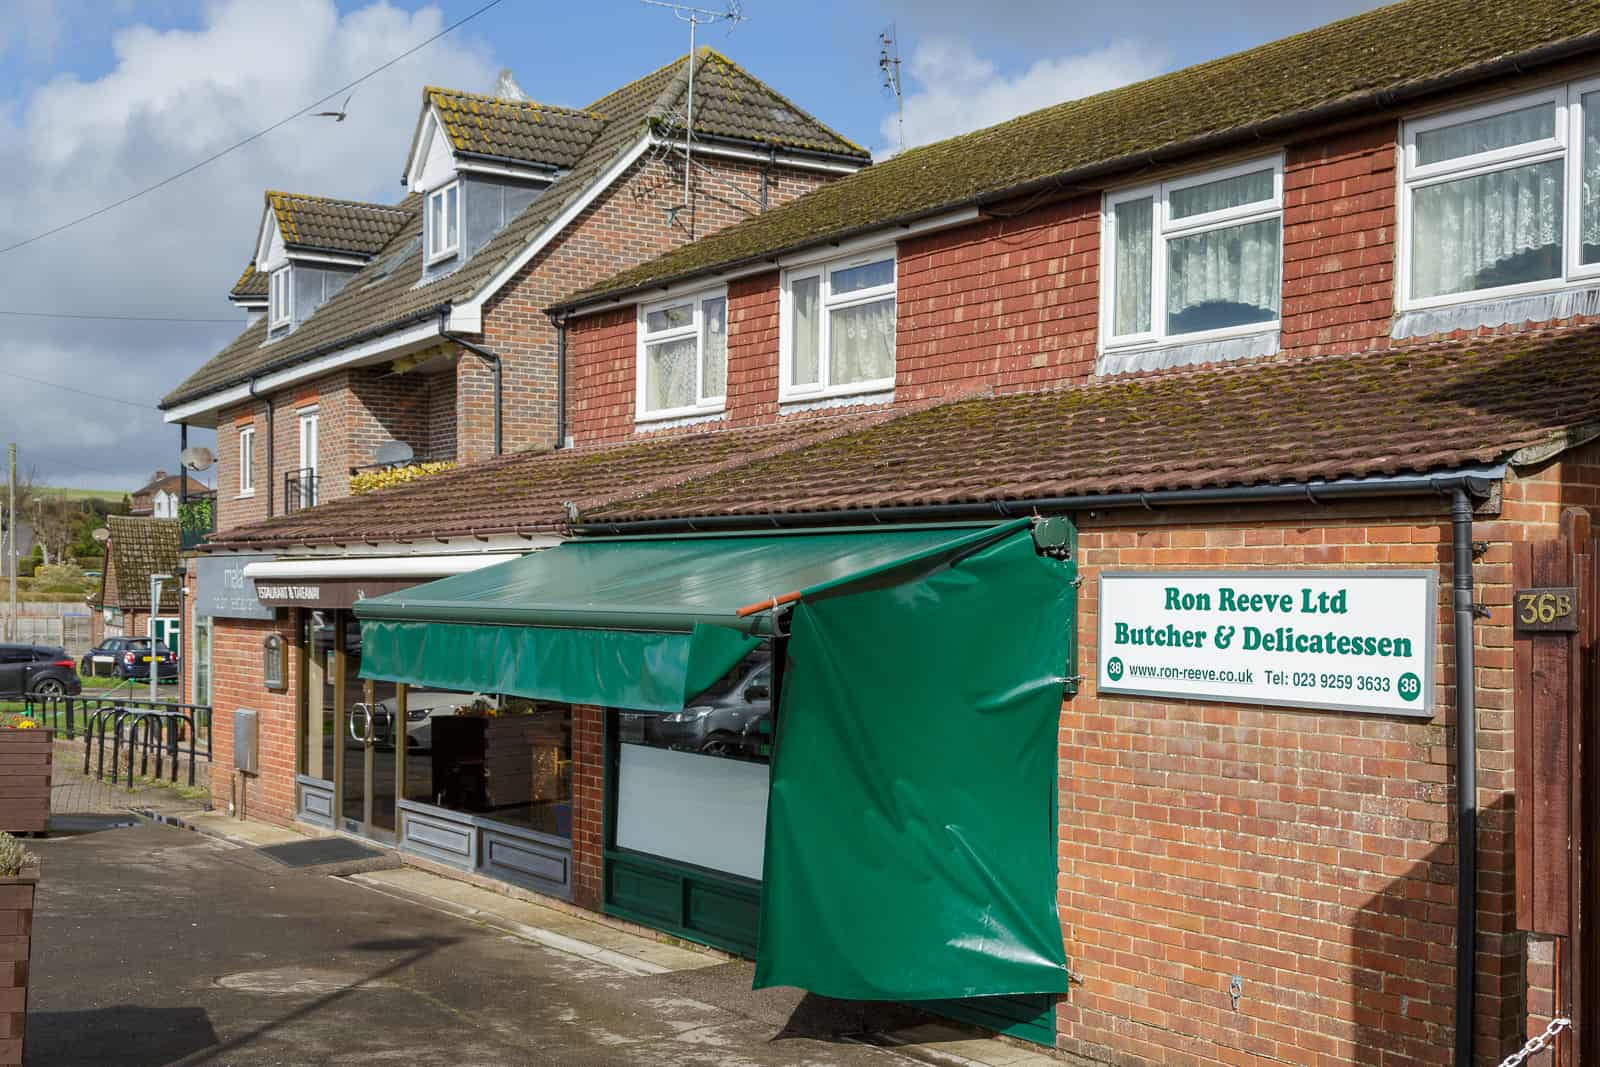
x: 1556, y: 623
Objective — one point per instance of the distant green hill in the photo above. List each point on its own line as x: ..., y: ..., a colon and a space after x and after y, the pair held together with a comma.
x: 111, y: 496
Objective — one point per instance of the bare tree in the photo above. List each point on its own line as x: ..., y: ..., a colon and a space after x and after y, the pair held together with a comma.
x: 55, y: 524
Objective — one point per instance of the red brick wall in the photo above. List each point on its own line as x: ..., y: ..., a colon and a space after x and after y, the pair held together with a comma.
x: 588, y: 803
x: 1339, y: 242
x: 624, y: 226
x: 237, y: 682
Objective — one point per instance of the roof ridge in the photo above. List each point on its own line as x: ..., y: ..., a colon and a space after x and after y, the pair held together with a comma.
x: 619, y: 90
x: 429, y: 90
x: 340, y: 200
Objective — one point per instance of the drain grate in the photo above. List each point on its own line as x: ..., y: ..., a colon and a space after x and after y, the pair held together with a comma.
x: 319, y: 852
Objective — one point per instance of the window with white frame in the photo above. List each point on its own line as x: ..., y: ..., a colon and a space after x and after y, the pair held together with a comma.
x: 838, y: 327
x: 247, y: 460
x: 1502, y: 199
x: 444, y: 222
x: 683, y: 356
x: 280, y: 298
x: 1194, y: 258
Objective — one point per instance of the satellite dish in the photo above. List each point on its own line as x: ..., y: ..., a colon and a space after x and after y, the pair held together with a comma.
x: 197, y: 458
x: 102, y: 535
x: 392, y: 453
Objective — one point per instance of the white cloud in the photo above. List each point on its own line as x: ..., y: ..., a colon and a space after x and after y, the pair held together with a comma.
x: 172, y: 98
x: 956, y: 90
x: 32, y: 29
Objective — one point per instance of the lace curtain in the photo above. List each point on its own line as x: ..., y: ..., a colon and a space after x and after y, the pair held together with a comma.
x: 669, y: 374
x: 714, y: 348
x: 1225, y: 277
x: 1591, y: 178
x: 861, y: 342
x: 1488, y: 230
x: 1131, y: 281
x: 804, y: 355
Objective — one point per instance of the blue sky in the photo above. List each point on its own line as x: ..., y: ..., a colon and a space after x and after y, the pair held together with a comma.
x: 98, y: 97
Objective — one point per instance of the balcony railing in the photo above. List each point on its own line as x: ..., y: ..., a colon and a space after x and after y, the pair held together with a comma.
x: 299, y: 489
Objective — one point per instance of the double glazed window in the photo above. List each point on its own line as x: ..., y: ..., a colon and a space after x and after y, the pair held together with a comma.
x: 838, y: 327
x: 683, y: 356
x: 1196, y: 257
x: 444, y: 222
x: 1502, y: 199
x: 280, y: 298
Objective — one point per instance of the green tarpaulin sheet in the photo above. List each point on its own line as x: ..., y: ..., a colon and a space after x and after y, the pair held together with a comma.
x: 637, y: 623
x: 910, y: 849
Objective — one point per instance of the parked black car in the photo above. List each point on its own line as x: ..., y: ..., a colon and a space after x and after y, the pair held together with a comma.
x: 40, y: 670
x: 732, y: 718
x: 129, y: 657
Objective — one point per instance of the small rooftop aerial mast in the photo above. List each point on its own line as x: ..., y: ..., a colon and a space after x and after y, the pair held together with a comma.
x: 696, y: 17
x: 889, y: 63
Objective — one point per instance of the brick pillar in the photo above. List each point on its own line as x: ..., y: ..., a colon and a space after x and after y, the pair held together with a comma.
x: 588, y: 803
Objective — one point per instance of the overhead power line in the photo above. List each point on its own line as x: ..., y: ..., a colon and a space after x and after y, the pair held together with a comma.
x: 185, y: 172
x: 235, y: 321
x: 81, y: 392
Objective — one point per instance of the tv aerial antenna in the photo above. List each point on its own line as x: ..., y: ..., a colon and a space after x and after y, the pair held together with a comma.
x: 889, y: 63
x: 732, y: 14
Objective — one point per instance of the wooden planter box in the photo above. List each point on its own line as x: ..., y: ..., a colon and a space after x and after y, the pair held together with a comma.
x: 16, y: 936
x: 25, y: 758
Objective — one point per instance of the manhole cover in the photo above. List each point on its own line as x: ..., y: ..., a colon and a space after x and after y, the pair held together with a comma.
x: 319, y: 852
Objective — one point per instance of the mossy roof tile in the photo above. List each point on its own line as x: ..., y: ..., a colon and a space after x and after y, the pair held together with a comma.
x: 1361, y: 58
x: 1282, y: 420
x: 325, y: 224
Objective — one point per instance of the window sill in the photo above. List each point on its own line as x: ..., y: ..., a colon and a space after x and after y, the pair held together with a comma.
x: 246, y: 495
x: 1563, y: 303
x: 1187, y: 353
x: 649, y: 423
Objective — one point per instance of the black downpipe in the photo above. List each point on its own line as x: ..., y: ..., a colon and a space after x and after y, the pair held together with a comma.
x: 495, y: 364
x: 1466, y: 777
x: 271, y: 434
x: 559, y: 321
x: 183, y: 472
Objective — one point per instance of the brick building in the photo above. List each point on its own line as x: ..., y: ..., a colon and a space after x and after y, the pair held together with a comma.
x: 136, y: 548
x: 1319, y: 312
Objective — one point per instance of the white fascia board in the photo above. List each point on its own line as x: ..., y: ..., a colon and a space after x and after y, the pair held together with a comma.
x: 827, y: 250
x: 328, y: 257
x: 782, y: 159
x: 507, y: 170
x: 388, y: 344
x: 467, y: 316
x: 434, y: 565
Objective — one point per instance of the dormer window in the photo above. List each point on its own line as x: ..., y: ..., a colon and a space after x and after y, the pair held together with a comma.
x: 280, y: 299
x: 444, y: 222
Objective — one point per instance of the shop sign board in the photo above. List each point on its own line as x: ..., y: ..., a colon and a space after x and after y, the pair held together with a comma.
x: 326, y: 592
x: 222, y: 591
x: 1339, y: 640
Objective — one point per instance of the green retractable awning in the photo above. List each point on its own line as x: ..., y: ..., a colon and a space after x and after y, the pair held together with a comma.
x: 637, y: 623
x: 910, y: 845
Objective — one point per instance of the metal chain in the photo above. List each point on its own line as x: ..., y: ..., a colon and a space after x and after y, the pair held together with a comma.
x: 1536, y: 1044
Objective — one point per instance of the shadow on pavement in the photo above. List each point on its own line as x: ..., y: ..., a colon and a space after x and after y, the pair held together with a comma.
x: 127, y: 1036
x: 73, y: 825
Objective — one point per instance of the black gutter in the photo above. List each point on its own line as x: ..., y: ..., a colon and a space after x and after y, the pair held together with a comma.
x: 495, y: 364
x: 553, y: 169
x: 821, y: 154
x: 1266, y: 129
x: 1476, y: 484
x: 303, y: 357
x: 1466, y: 775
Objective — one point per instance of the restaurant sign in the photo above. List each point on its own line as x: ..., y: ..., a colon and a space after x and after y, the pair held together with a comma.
x: 326, y: 592
x: 1340, y: 640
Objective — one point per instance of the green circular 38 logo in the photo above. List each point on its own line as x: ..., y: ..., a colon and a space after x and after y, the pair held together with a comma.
x: 1114, y: 669
x: 1409, y: 686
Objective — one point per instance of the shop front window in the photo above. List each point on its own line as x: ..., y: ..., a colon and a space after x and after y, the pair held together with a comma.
x: 692, y: 786
x: 505, y: 758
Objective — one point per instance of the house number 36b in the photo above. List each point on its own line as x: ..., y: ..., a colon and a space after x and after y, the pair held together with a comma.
x: 1552, y: 608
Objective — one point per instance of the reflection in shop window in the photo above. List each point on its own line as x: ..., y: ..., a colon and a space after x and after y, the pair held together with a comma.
x: 505, y: 758
x: 692, y: 786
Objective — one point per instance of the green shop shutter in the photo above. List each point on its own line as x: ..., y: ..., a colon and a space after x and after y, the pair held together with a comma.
x: 911, y: 844
x: 639, y: 623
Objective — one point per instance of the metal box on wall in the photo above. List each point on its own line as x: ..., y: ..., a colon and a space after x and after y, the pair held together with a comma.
x: 246, y: 750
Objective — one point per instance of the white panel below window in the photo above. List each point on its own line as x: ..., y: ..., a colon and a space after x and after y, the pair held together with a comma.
x: 1543, y: 307
x: 705, y: 810
x: 1165, y: 356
